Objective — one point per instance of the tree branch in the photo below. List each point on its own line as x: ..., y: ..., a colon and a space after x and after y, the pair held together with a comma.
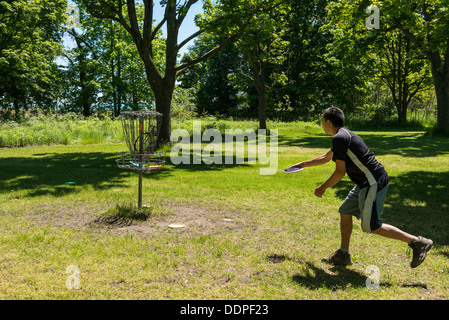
x: 68, y: 58
x: 91, y: 10
x: 193, y: 36
x: 132, y: 15
x: 73, y: 33
x: 148, y: 21
x: 446, y: 60
x: 411, y: 36
x: 183, y: 11
x: 157, y: 28
x: 417, y: 89
x: 217, y: 48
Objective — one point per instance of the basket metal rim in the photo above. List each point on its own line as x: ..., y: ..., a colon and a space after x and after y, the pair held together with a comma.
x: 151, y: 161
x: 140, y: 113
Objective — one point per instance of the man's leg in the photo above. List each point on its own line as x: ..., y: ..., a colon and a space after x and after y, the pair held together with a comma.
x: 342, y: 256
x: 347, y: 209
x: 345, y: 230
x: 419, y: 245
x: 393, y: 232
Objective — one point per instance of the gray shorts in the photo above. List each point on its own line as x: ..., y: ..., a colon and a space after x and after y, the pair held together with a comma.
x: 366, y: 204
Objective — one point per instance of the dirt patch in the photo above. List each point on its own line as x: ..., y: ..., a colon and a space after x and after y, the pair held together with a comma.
x: 75, y: 216
x: 196, y: 219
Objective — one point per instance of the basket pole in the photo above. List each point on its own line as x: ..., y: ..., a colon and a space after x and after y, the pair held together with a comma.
x: 139, y: 204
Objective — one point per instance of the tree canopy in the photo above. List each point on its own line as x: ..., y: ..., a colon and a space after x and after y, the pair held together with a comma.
x: 30, y: 40
x: 260, y: 59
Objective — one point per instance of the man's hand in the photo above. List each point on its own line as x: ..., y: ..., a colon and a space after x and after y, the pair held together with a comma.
x: 297, y: 165
x: 320, y: 191
x: 339, y: 173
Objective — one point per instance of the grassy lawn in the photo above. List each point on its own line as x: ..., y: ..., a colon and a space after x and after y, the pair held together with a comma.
x: 246, y: 236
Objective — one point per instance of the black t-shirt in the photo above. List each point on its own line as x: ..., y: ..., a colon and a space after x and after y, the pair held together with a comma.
x: 361, y: 165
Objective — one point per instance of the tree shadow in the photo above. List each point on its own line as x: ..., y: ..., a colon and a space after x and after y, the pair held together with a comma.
x: 59, y: 174
x: 195, y: 161
x: 417, y: 202
x: 408, y: 144
x: 320, y: 141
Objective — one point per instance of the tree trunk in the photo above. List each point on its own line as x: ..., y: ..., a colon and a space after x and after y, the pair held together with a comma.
x: 262, y: 107
x: 114, y: 92
x: 85, y: 94
x: 17, y: 114
x: 118, y: 86
x: 442, y: 93
x: 440, y: 75
x: 163, y: 95
x: 259, y: 82
x: 402, y: 112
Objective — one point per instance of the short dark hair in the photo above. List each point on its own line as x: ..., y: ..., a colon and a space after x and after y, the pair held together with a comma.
x: 335, y: 116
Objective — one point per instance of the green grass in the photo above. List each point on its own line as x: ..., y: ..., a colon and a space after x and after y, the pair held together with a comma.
x: 246, y: 236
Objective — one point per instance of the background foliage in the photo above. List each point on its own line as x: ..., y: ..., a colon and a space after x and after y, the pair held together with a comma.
x: 291, y: 61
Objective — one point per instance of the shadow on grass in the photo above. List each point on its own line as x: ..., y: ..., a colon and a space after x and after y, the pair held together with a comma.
x: 219, y: 164
x: 417, y: 202
x: 60, y: 174
x: 314, y: 278
x: 408, y: 144
x: 339, y: 278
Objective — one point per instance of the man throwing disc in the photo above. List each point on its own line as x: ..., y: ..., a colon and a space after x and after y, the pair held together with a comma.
x: 366, y: 199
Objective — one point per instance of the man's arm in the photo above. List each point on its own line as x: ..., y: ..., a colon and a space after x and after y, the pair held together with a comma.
x: 325, y: 158
x: 339, y: 173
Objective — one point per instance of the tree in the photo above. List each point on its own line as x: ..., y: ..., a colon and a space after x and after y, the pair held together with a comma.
x: 324, y: 66
x: 105, y: 68
x: 123, y: 82
x: 399, y: 68
x: 236, y: 14
x: 263, y: 45
x: 83, y: 72
x: 426, y: 24
x: 30, y: 35
x: 215, y: 93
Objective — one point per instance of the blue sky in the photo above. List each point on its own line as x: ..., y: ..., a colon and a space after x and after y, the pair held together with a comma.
x: 187, y: 28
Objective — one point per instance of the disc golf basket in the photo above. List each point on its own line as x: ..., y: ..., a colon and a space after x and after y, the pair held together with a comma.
x: 141, y: 131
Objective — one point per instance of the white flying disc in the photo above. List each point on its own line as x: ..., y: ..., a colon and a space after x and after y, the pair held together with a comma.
x: 292, y: 170
x: 176, y: 226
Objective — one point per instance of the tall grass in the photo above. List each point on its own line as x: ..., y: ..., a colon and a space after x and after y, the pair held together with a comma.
x: 71, y: 129
x: 417, y: 120
x: 59, y: 129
